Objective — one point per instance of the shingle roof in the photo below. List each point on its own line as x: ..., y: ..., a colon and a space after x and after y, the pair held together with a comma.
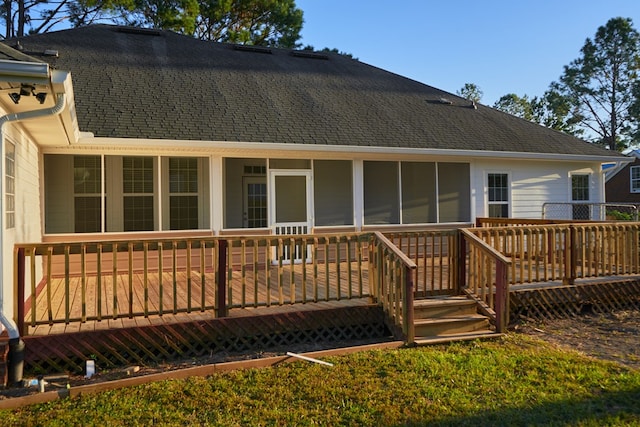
x: 157, y: 84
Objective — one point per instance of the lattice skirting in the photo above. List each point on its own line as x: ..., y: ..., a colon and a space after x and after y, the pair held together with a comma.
x: 159, y: 343
x: 570, y: 301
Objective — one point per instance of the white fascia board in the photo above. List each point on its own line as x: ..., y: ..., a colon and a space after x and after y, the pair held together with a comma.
x: 256, y: 148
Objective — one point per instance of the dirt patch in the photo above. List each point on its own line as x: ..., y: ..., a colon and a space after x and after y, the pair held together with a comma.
x: 613, y: 336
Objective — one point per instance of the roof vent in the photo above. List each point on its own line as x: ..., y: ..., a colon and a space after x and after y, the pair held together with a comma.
x: 251, y: 48
x: 50, y: 52
x: 445, y: 101
x: 309, y: 54
x: 141, y: 31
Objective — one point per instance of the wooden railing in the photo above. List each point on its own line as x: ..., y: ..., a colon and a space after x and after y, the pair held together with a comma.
x: 566, y: 252
x: 484, y: 277
x: 79, y: 282
x: 393, y: 275
x: 435, y: 253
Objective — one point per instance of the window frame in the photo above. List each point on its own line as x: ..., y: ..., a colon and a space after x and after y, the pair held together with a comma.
x: 632, y: 179
x: 506, y: 188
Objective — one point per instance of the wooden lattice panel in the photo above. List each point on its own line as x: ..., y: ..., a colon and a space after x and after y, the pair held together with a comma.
x: 159, y: 343
x: 569, y: 301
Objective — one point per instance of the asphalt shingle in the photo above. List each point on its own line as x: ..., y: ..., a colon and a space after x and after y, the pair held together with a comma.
x: 132, y: 83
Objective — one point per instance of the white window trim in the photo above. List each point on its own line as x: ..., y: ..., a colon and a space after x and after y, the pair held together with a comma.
x: 509, y: 191
x: 631, y: 179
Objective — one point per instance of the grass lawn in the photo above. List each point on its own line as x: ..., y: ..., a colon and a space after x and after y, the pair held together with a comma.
x: 518, y: 380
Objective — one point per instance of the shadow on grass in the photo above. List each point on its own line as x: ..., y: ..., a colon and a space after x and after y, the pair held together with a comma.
x: 615, y: 408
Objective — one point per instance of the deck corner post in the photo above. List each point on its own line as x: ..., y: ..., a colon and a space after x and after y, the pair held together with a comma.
x: 501, y: 307
x: 221, y: 302
x: 19, y: 291
x: 408, y: 304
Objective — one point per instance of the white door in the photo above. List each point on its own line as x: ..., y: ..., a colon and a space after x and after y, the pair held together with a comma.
x: 290, y: 206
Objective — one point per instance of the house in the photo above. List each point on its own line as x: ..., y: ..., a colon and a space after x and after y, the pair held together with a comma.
x: 622, y: 183
x: 111, y: 132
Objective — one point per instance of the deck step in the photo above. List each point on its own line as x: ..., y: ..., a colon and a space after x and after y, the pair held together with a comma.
x: 443, y: 307
x: 465, y: 336
x: 450, y: 325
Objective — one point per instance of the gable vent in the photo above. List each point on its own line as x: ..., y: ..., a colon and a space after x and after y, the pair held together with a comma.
x: 309, y: 54
x: 142, y: 31
x: 251, y: 48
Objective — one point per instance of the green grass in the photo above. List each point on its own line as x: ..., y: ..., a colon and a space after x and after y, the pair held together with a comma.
x: 515, y: 381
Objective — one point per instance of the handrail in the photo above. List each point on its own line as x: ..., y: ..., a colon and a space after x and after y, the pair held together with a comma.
x: 393, y: 274
x: 480, y: 280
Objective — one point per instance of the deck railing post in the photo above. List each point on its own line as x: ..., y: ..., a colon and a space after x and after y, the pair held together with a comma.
x: 408, y: 305
x: 501, y: 306
x: 19, y: 291
x: 572, y: 256
x: 461, y: 259
x: 221, y: 303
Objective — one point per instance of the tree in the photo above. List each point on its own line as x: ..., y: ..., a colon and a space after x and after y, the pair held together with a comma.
x: 517, y: 106
x: 552, y: 110
x: 600, y: 83
x: 257, y: 22
x: 471, y: 92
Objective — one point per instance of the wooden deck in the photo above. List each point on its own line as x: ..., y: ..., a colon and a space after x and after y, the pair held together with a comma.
x: 142, y: 299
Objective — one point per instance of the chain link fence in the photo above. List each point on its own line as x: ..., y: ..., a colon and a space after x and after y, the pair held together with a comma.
x: 590, y: 211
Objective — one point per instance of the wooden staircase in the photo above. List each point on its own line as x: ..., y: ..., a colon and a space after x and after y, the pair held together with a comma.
x: 449, y: 318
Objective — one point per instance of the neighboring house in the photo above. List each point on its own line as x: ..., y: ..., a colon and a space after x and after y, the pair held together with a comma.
x: 623, y: 183
x: 133, y: 132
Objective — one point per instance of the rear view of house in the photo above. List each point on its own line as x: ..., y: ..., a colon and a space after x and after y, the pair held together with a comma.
x: 116, y: 132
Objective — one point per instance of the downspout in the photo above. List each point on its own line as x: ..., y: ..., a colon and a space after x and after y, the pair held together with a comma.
x: 8, y: 323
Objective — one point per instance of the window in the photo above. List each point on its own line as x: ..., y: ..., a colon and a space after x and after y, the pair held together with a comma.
x: 86, y: 184
x: 635, y: 179
x: 183, y: 193
x: 498, y: 197
x: 580, y: 192
x: 137, y: 188
x: 10, y: 184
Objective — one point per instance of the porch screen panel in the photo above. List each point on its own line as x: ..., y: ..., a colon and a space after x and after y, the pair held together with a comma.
x: 454, y: 193
x: 381, y: 193
x: 418, y: 193
x: 72, y: 193
x: 333, y: 192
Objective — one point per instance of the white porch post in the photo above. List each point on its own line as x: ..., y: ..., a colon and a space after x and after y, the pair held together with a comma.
x: 358, y: 194
x: 216, y: 199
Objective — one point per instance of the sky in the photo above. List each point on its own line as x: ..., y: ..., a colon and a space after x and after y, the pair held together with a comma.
x: 502, y: 46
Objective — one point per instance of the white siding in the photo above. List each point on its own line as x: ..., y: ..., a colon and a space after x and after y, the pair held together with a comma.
x: 28, y: 223
x: 534, y: 183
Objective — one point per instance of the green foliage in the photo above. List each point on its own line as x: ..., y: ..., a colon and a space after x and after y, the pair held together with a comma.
x: 256, y: 22
x: 620, y: 216
x: 516, y: 381
x: 552, y: 110
x: 601, y: 83
x: 470, y: 91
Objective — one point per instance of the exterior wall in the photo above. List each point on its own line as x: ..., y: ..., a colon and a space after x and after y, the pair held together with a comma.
x: 534, y: 183
x: 618, y: 187
x: 28, y: 223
